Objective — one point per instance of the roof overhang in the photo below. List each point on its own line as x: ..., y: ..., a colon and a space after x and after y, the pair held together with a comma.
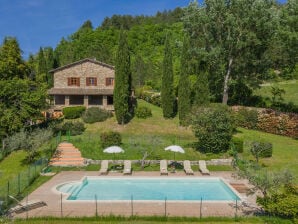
x: 79, y: 91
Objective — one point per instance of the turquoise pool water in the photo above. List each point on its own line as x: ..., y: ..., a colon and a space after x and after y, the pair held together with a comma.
x: 184, y: 189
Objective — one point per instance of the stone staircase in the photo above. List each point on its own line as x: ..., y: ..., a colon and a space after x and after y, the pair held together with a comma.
x: 67, y: 155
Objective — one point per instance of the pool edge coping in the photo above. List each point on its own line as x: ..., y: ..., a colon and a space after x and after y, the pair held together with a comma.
x: 66, y: 195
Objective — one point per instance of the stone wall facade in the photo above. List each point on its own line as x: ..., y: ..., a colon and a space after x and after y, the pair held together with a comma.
x: 73, y: 86
x: 82, y: 71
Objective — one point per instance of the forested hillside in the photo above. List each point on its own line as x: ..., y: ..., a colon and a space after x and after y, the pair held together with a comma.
x: 146, y: 41
x: 232, y: 48
x: 261, y: 47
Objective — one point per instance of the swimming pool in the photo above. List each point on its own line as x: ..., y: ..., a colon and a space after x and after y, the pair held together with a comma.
x: 180, y: 189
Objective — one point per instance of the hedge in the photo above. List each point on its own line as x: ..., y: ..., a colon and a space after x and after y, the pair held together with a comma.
x: 73, y: 112
x: 267, y: 120
x: 143, y: 112
x: 95, y: 114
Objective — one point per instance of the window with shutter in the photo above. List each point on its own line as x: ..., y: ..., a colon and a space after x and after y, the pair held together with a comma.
x: 73, y: 81
x: 91, y: 81
x: 109, y: 81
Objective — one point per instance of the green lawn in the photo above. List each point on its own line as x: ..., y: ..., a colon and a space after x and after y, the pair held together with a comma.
x: 290, y: 87
x: 11, y: 166
x: 285, y: 150
x: 151, y: 134
x: 153, y: 220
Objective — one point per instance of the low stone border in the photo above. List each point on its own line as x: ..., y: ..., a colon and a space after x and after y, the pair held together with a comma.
x: 208, y: 162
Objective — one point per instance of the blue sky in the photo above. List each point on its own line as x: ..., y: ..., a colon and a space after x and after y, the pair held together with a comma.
x: 43, y: 23
x: 37, y: 23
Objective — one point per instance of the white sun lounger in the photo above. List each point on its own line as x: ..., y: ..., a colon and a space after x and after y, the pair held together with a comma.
x: 203, y: 167
x: 127, y: 167
x: 187, y: 167
x: 163, y: 167
x: 104, y: 167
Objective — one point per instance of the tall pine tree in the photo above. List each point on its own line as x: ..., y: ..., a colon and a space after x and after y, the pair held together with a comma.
x: 122, y: 90
x: 11, y: 62
x: 167, y: 89
x: 184, y: 85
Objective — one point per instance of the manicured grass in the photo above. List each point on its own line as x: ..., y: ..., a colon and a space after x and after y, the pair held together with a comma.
x: 220, y: 168
x: 139, y: 135
x: 285, y: 153
x: 153, y: 220
x: 12, y: 165
x: 290, y: 87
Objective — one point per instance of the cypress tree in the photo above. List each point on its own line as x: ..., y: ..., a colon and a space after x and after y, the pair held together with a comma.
x: 122, y: 90
x: 201, y: 90
x: 42, y: 67
x: 184, y: 86
x: 167, y: 89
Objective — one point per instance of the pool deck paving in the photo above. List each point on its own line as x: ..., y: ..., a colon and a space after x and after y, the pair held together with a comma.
x: 58, y: 206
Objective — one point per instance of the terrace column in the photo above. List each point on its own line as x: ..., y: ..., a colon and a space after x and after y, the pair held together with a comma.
x: 86, y: 101
x: 67, y: 100
x: 104, y: 101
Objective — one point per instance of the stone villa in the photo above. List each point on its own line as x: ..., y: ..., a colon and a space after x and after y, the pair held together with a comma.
x: 87, y: 82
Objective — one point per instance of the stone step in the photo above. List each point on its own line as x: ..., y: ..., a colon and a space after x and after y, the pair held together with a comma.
x: 68, y: 159
x: 67, y: 164
x: 67, y: 155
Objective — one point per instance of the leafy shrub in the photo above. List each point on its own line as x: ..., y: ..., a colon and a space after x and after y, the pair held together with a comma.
x: 110, y: 138
x: 238, y: 144
x: 143, y: 112
x: 73, y: 112
x: 266, y: 149
x: 247, y: 118
x: 285, y: 107
x: 284, y: 204
x: 75, y: 128
x: 213, y: 126
x: 261, y: 150
x: 29, y: 141
x: 95, y: 114
x: 151, y: 97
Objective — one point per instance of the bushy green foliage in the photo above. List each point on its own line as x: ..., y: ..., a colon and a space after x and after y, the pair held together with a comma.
x: 110, y: 138
x: 29, y: 141
x: 238, y: 144
x: 143, y: 112
x: 74, y: 128
x: 151, y: 97
x: 73, y: 112
x: 95, y: 114
x: 284, y: 204
x: 266, y: 149
x: 213, y: 126
x: 201, y: 93
x: 247, y: 118
x: 261, y: 150
x: 289, y: 107
x: 279, y: 194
